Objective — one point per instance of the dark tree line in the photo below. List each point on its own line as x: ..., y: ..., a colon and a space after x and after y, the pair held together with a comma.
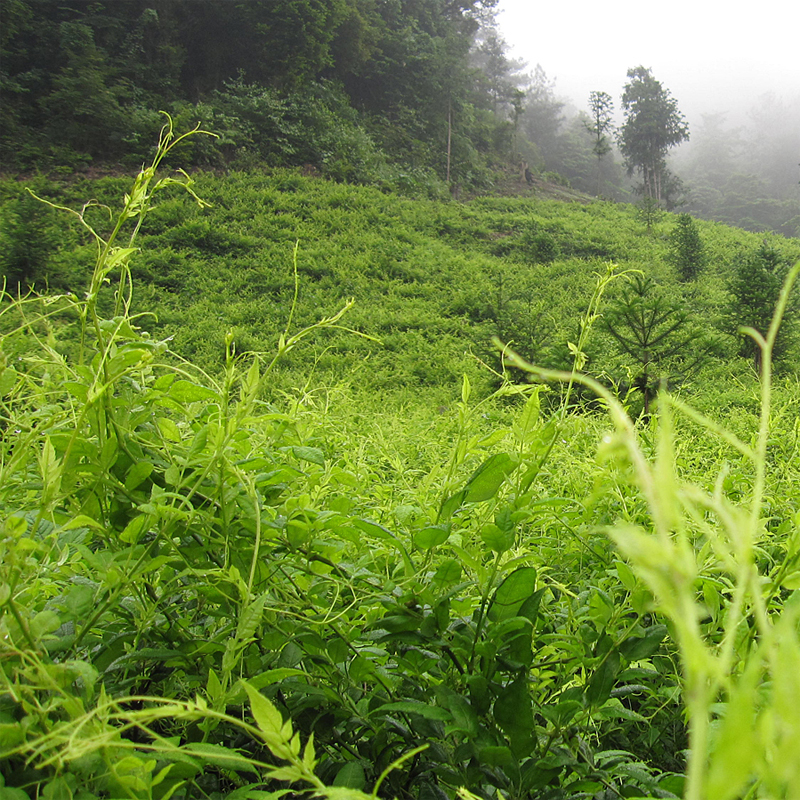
x: 83, y: 79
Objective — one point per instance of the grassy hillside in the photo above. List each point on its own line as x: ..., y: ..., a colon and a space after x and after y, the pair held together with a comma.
x: 432, y: 281
x: 376, y: 568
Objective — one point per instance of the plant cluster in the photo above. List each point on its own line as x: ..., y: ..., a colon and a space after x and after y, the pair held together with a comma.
x: 192, y: 588
x: 206, y: 594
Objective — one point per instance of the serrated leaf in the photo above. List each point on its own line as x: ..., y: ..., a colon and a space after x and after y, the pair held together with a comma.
x: 291, y: 774
x: 267, y: 717
x: 169, y: 430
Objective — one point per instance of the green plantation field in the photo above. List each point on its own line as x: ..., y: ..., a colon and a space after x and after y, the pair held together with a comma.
x: 257, y: 540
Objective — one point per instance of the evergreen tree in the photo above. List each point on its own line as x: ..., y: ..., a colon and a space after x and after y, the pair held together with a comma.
x: 543, y: 117
x: 687, y: 252
x: 755, y: 288
x: 652, y: 126
x: 655, y: 335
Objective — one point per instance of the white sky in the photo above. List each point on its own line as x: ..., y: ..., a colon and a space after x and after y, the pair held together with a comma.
x: 712, y: 56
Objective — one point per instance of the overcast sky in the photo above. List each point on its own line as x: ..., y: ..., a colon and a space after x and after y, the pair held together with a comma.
x: 711, y: 55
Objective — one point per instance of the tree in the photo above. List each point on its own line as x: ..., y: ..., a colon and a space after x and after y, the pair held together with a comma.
x: 755, y: 288
x: 652, y: 126
x: 654, y: 332
x: 687, y: 252
x: 600, y: 126
x: 543, y: 116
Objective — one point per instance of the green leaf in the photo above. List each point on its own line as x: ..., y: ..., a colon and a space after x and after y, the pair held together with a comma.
x: 8, y: 379
x: 43, y: 623
x: 496, y: 756
x: 169, y: 430
x: 218, y: 756
x: 512, y: 593
x: 791, y: 581
x: 133, y: 530
x: 188, y: 392
x: 626, y: 576
x: 466, y: 389
x: 250, y: 619
x: 513, y: 713
x: 637, y: 648
x: 452, y: 504
x: 413, y: 707
x: 526, y: 422
x: 351, y: 775
x: 311, y: 454
x: 602, y: 681
x: 430, y: 537
x: 496, y: 539
x: 138, y: 474
x: 268, y: 719
x: 488, y: 478
x: 448, y: 572
x: 82, y: 521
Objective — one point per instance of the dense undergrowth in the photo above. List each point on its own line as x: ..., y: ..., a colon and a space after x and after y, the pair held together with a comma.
x: 432, y: 281
x: 216, y: 579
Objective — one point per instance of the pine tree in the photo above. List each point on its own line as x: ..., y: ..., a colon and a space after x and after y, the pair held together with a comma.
x: 755, y: 288
x: 655, y: 333
x: 687, y: 252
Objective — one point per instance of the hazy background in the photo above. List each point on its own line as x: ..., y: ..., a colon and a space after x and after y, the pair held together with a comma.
x: 712, y: 56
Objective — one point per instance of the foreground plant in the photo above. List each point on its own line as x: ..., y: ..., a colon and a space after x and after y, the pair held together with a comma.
x: 121, y: 477
x: 735, y: 621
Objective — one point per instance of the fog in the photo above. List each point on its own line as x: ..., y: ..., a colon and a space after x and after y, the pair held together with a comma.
x: 711, y: 56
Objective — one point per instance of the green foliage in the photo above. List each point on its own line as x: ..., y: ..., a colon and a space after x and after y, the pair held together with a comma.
x: 657, y: 334
x: 301, y: 83
x: 755, y: 288
x: 653, y: 125
x: 243, y: 582
x: 601, y: 127
x: 199, y: 587
x: 687, y: 252
x: 650, y: 213
x: 28, y: 237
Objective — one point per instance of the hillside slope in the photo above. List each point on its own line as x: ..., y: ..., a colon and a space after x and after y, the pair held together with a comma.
x: 432, y: 281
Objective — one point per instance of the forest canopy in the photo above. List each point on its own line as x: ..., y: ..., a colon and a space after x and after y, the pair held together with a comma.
x: 417, y: 96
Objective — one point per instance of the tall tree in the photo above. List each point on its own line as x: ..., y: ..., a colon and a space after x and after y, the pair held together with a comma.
x: 653, y: 125
x: 601, y: 126
x: 543, y: 116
